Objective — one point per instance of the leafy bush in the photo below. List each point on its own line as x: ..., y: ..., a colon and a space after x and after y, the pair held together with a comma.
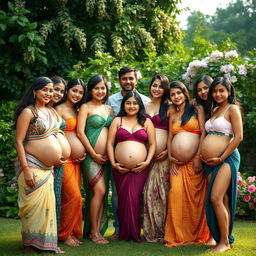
x: 8, y: 187
x: 246, y: 197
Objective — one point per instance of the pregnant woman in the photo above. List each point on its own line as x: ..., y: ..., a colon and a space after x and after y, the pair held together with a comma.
x: 219, y: 151
x: 94, y: 118
x: 71, y: 199
x: 38, y: 151
x: 59, y: 88
x: 129, y: 156
x: 157, y: 186
x: 186, y: 220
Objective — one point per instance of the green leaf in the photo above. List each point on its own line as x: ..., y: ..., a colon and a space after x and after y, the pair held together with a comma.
x: 13, y: 38
x: 31, y: 36
x: 21, y: 37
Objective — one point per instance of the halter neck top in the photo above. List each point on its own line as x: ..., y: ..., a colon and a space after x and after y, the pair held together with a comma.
x: 122, y: 134
x: 158, y: 122
x: 220, y: 126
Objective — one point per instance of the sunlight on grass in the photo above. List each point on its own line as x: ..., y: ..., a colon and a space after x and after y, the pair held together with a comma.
x: 244, y: 232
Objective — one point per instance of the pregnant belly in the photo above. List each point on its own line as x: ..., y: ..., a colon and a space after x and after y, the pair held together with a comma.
x: 213, y: 145
x: 77, y: 148
x: 101, y: 144
x: 130, y: 153
x: 184, y: 146
x: 47, y: 150
x: 161, y: 140
x: 66, y: 149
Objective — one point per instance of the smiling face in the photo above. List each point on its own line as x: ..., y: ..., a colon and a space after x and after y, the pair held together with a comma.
x: 75, y: 94
x: 202, y: 91
x: 44, y: 95
x: 131, y: 106
x: 220, y: 93
x: 58, y: 92
x: 99, y: 92
x: 177, y: 97
x: 128, y: 81
x: 156, y: 89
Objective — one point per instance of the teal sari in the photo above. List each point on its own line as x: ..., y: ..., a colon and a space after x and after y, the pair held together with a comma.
x: 93, y: 171
x: 233, y: 160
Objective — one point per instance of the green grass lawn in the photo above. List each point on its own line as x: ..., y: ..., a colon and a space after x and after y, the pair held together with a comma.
x: 244, y: 232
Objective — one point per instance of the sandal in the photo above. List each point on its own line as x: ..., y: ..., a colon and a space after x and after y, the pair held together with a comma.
x: 98, y: 239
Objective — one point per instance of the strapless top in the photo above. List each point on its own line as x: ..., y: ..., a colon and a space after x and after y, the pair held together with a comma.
x: 70, y: 124
x: 123, y: 135
x: 158, y: 122
x: 220, y: 125
x: 96, y: 121
x: 191, y: 126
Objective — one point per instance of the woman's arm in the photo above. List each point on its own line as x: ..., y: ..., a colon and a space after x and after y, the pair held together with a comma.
x: 81, y: 124
x: 21, y: 129
x: 197, y: 163
x: 237, y: 126
x: 152, y: 146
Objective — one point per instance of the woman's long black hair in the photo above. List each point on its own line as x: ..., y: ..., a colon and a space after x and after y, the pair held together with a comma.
x: 164, y: 100
x: 141, y: 115
x: 189, y: 109
x: 211, y: 103
x: 71, y: 84
x: 29, y: 97
x: 92, y: 83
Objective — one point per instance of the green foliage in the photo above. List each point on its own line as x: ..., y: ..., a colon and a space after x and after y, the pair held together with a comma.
x: 237, y: 21
x: 21, y: 45
x: 8, y: 187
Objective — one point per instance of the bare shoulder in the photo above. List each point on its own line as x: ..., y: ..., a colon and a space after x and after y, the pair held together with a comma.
x: 234, y: 109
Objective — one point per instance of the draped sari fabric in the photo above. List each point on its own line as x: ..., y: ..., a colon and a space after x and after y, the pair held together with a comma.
x: 71, y: 198
x: 233, y: 160
x: 129, y: 189
x: 155, y: 201
x: 37, y: 205
x: 186, y: 218
x: 92, y: 172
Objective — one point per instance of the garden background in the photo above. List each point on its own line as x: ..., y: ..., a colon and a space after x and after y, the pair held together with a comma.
x: 77, y: 39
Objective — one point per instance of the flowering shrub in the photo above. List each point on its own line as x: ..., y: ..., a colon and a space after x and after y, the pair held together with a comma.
x: 246, y: 197
x: 227, y: 64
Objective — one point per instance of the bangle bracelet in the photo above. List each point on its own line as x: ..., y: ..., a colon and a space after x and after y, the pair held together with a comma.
x: 26, y: 166
x: 221, y: 160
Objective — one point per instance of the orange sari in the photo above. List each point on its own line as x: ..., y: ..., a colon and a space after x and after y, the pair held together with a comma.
x: 186, y: 218
x: 71, y: 199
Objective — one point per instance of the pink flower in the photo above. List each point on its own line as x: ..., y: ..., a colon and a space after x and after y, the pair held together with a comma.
x: 251, y: 179
x: 238, y: 174
x: 251, y: 206
x: 231, y: 54
x: 242, y: 70
x: 227, y: 68
x: 254, y: 200
x: 240, y: 181
x: 246, y: 198
x: 251, y: 189
x: 238, y: 192
x: 1, y: 174
x: 14, y: 186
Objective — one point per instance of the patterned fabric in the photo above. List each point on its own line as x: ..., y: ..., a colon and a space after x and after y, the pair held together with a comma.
x: 92, y: 172
x: 155, y: 201
x: 234, y: 161
x: 37, y: 208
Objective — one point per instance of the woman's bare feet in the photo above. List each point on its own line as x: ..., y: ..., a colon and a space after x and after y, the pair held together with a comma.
x: 98, y: 239
x: 221, y: 247
x: 211, y: 242
x: 77, y: 240
x: 71, y: 242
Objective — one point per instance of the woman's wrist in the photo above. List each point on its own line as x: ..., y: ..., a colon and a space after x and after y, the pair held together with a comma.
x: 221, y: 160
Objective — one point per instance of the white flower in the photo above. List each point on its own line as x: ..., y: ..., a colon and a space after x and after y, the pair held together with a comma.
x: 109, y: 85
x: 138, y: 74
x: 1, y: 174
x: 231, y: 54
x: 216, y: 55
x: 226, y: 68
x: 227, y: 75
x: 1, y: 170
x: 242, y: 70
x: 197, y: 64
x: 14, y: 186
x: 233, y: 79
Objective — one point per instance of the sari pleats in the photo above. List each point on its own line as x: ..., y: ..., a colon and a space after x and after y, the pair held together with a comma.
x: 71, y: 202
x: 186, y: 218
